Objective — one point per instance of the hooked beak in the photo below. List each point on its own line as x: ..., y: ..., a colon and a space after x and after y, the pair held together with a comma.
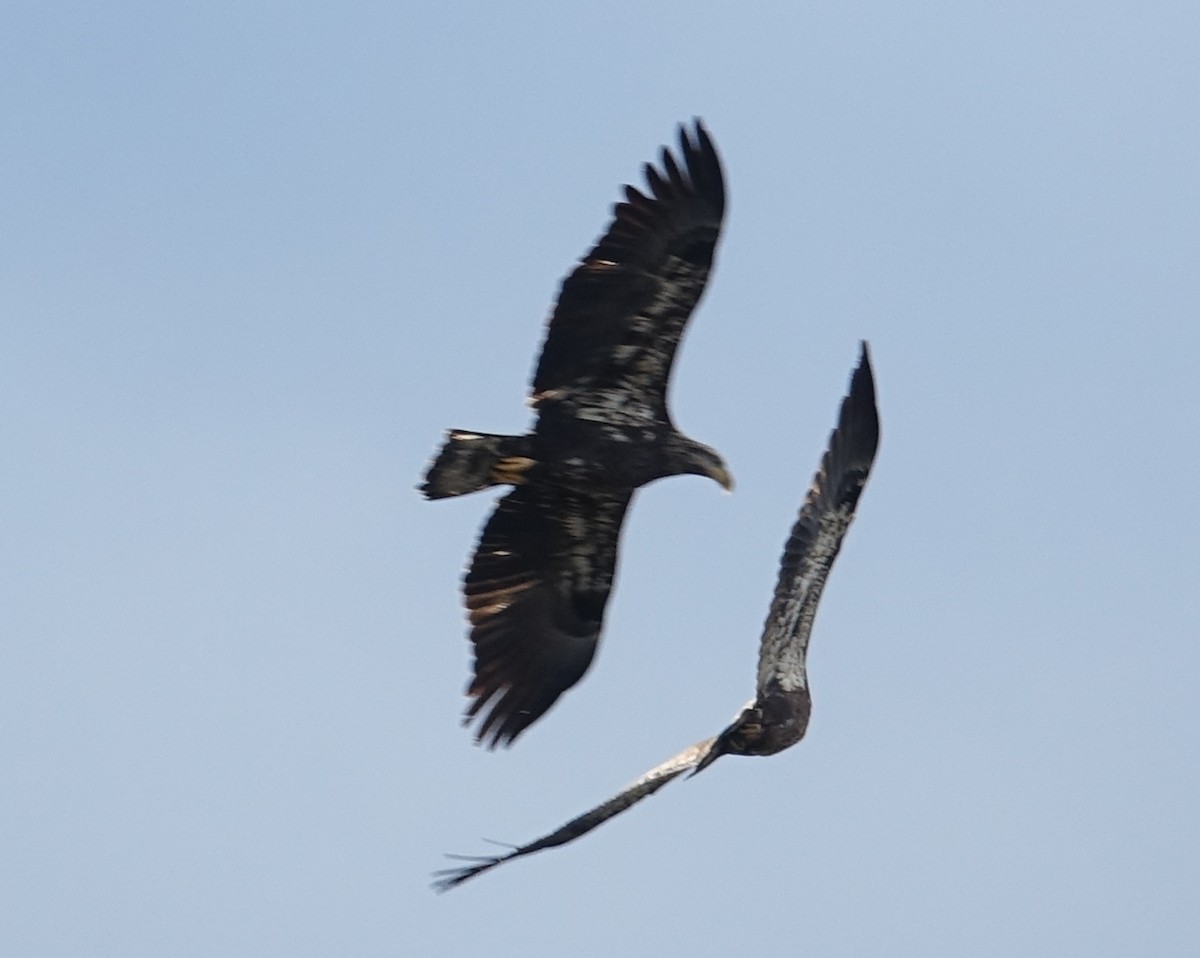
x: 720, y: 475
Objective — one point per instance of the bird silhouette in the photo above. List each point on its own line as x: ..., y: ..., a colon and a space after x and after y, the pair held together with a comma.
x: 544, y: 567
x: 777, y: 717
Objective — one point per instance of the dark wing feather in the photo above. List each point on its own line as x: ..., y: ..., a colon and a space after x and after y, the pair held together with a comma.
x: 535, y: 596
x: 613, y: 334
x: 645, y: 786
x: 817, y: 536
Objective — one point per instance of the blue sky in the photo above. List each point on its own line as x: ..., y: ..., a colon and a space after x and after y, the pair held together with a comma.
x: 257, y: 257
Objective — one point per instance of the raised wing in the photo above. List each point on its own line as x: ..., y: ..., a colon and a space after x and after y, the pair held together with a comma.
x: 817, y: 536
x: 535, y: 596
x: 647, y: 785
x: 620, y: 314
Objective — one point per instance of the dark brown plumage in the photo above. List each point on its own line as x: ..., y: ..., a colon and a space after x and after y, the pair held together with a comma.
x: 537, y: 587
x: 778, y: 715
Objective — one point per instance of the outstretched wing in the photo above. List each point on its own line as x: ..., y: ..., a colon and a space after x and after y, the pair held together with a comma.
x: 817, y: 536
x: 620, y: 314
x: 647, y: 785
x: 535, y: 595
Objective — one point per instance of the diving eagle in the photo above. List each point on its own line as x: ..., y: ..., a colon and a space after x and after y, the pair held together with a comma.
x: 776, y: 718
x: 537, y: 587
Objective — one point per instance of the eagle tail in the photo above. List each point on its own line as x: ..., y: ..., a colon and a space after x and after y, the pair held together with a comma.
x: 470, y: 461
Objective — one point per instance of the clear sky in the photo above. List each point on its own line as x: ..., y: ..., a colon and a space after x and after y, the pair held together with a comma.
x: 256, y: 257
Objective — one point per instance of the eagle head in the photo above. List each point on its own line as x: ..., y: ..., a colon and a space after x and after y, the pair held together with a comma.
x: 762, y: 727
x: 746, y: 734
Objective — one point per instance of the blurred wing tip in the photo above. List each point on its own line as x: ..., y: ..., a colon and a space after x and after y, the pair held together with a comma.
x: 695, y: 134
x: 448, y: 878
x: 862, y: 382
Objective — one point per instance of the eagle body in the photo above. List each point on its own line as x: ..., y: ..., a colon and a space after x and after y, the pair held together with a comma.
x: 538, y: 584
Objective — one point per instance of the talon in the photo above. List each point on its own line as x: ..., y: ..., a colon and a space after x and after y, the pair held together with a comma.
x: 511, y: 471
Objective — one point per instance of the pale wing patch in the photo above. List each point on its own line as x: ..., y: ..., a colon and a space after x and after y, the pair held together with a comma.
x: 487, y: 604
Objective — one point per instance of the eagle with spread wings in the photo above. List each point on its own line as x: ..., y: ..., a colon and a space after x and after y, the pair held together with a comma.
x: 777, y: 717
x: 539, y: 582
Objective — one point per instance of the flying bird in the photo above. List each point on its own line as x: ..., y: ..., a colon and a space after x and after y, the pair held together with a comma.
x: 537, y: 587
x: 776, y: 718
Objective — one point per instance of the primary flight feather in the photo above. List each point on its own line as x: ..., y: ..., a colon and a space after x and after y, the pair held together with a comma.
x: 777, y: 717
x: 540, y: 579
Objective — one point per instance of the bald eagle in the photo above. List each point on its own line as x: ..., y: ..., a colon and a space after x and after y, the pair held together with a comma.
x: 537, y: 587
x: 776, y: 718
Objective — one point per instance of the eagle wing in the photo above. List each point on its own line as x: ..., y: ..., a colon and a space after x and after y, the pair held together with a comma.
x: 645, y: 786
x: 620, y: 314
x: 535, y: 596
x: 817, y: 536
